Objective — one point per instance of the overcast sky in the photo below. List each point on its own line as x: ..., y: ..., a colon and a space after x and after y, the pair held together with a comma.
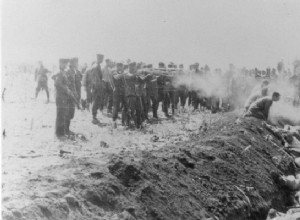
x: 215, y: 32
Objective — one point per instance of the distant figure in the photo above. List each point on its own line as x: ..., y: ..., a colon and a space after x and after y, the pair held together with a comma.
x: 71, y: 76
x: 261, y: 107
x: 3, y: 94
x: 42, y: 79
x: 4, y: 134
x: 295, y: 81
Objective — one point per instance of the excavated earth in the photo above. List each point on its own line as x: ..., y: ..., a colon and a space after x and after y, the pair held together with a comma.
x: 171, y: 169
x: 226, y: 170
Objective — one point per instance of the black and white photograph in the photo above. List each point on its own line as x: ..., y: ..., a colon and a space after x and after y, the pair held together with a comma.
x: 150, y: 109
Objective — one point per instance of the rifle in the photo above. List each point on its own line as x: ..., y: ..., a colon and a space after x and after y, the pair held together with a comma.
x: 74, y: 99
x: 110, y: 79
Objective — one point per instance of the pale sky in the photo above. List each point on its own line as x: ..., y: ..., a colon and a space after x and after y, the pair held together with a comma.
x: 214, y: 32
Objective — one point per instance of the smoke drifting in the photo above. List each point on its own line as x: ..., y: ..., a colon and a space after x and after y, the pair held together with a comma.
x: 234, y: 86
x: 283, y: 112
x: 237, y: 87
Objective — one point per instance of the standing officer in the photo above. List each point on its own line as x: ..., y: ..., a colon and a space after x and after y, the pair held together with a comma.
x: 65, y: 99
x: 71, y: 75
x: 134, y: 88
x: 97, y: 88
x: 42, y: 78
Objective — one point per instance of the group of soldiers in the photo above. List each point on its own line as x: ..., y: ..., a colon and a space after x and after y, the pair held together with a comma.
x: 132, y: 89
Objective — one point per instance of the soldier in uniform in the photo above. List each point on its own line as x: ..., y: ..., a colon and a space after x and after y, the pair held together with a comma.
x: 98, y: 88
x: 182, y: 89
x: 119, y: 97
x: 152, y: 95
x: 78, y: 76
x: 87, y: 84
x: 148, y: 88
x: 133, y: 85
x: 42, y: 79
x: 65, y: 99
x: 71, y: 76
x: 108, y: 96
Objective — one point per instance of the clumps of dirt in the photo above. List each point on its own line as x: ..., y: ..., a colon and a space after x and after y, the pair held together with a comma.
x: 227, y: 172
x: 129, y: 175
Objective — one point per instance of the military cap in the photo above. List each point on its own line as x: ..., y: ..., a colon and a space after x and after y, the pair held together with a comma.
x: 119, y: 64
x: 74, y: 60
x: 63, y: 62
x: 161, y: 64
x: 149, y: 66
x: 100, y: 57
x: 132, y: 64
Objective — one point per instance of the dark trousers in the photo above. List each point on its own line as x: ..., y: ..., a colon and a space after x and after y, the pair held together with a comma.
x: 118, y: 100
x: 151, y: 100
x: 110, y: 97
x: 190, y: 97
x: 89, y: 96
x: 78, y: 90
x: 166, y: 102
x: 134, y: 110
x: 97, y: 104
x: 182, y: 95
x: 65, y: 110
x: 173, y: 94
x: 195, y: 99
x: 42, y: 85
x: 145, y: 106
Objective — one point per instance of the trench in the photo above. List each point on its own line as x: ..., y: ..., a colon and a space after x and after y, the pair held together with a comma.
x: 228, y: 172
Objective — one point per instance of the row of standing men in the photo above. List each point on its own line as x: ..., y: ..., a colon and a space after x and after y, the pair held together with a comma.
x: 132, y: 92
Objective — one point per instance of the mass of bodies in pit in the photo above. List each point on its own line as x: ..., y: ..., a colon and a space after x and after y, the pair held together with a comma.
x: 133, y: 92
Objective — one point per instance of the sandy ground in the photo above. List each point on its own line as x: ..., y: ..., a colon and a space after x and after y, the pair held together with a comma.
x: 168, y: 170
x: 30, y: 144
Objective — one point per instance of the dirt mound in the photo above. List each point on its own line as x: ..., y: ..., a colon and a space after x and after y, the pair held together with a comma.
x: 228, y: 172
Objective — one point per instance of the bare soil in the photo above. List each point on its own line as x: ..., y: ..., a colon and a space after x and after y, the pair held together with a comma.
x: 169, y: 170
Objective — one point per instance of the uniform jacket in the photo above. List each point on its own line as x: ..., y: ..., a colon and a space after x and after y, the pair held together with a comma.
x: 71, y: 75
x: 119, y: 83
x: 41, y: 74
x: 61, y: 85
x: 97, y: 82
